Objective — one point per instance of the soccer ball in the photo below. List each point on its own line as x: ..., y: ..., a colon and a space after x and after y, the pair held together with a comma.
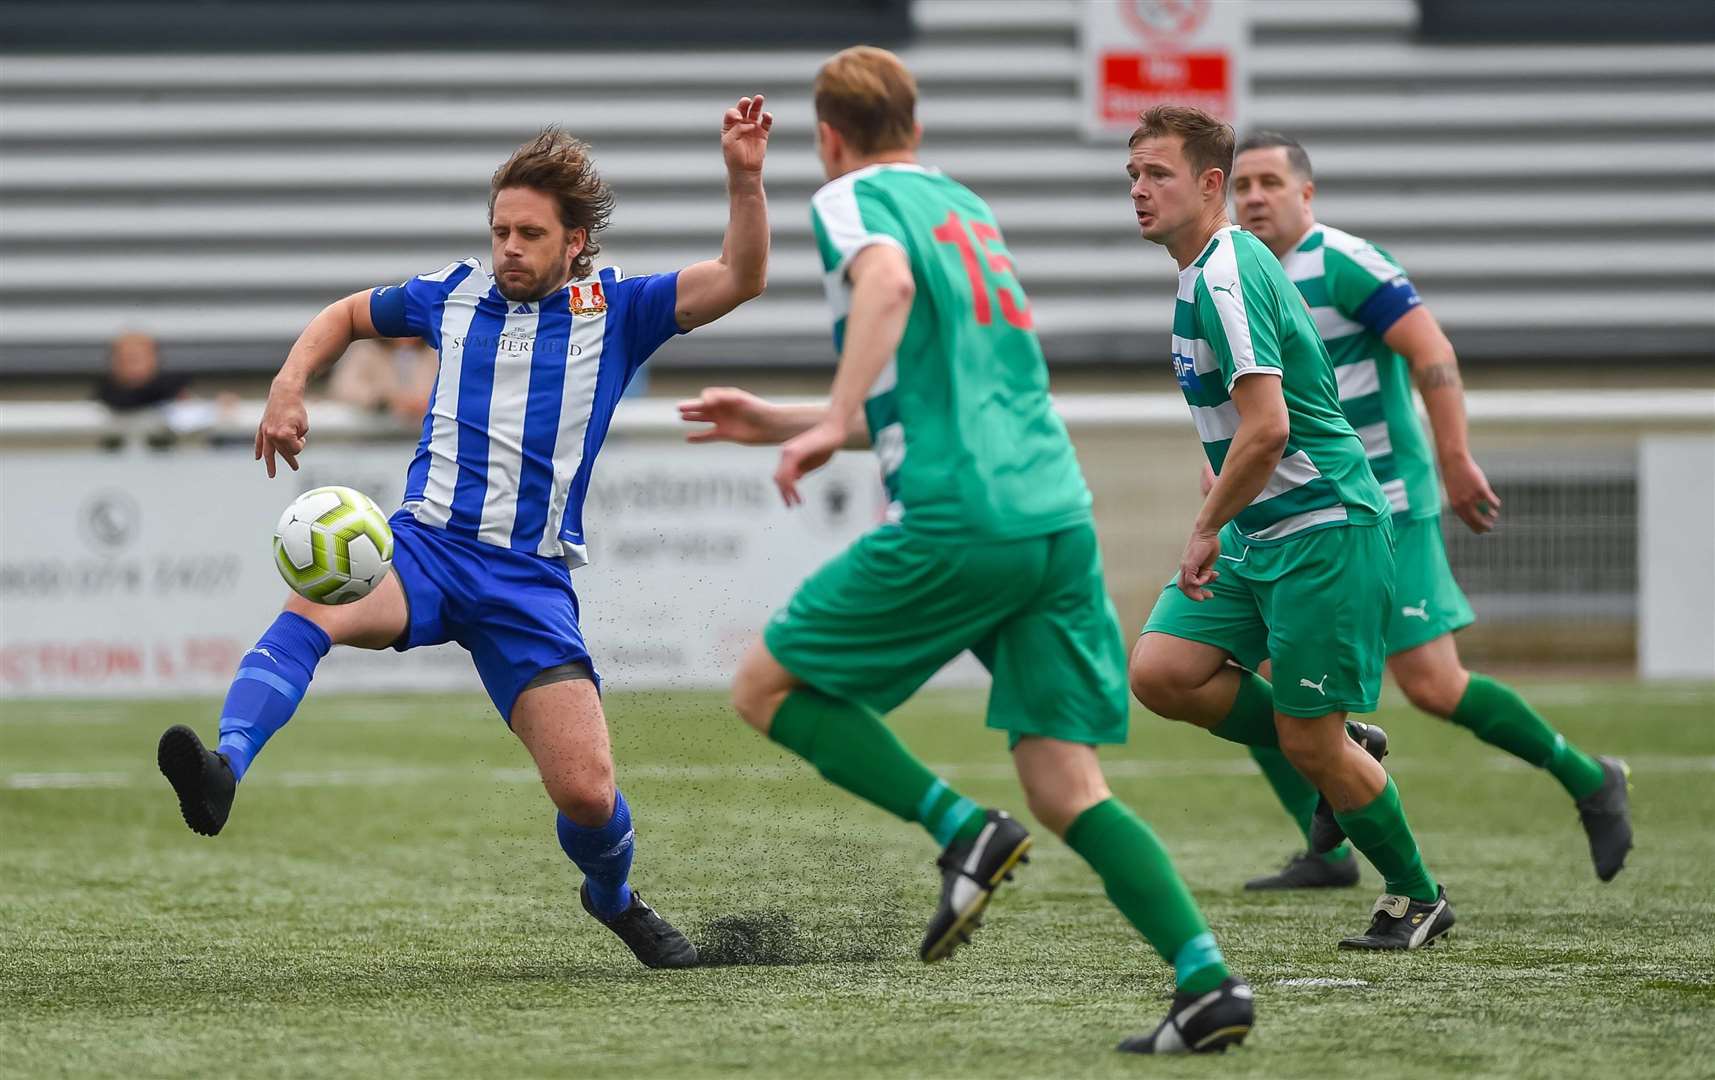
x: 333, y: 545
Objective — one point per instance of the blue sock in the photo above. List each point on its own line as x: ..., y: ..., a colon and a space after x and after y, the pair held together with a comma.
x: 604, y: 855
x: 271, y: 680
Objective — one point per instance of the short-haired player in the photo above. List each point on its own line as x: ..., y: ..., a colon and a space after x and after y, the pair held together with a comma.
x: 1290, y: 558
x: 1382, y: 340
x: 989, y: 548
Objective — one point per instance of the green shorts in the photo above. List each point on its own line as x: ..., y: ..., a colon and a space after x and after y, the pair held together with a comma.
x: 877, y: 621
x: 1316, y: 606
x: 1427, y: 601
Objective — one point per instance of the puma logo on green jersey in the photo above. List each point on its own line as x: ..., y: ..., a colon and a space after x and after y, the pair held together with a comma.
x: 1228, y: 289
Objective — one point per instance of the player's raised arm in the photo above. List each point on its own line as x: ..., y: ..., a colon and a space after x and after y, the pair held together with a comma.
x: 708, y: 290
x: 1418, y: 337
x: 882, y: 293
x: 285, y: 424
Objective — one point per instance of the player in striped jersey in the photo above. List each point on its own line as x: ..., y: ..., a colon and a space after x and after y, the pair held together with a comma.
x: 1291, y: 557
x: 534, y: 355
x: 1382, y: 339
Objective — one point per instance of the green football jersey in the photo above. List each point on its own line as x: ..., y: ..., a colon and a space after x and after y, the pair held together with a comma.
x: 969, y: 443
x: 1237, y: 315
x: 1355, y: 291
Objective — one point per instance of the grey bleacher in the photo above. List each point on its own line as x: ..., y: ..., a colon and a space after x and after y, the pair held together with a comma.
x: 1553, y: 202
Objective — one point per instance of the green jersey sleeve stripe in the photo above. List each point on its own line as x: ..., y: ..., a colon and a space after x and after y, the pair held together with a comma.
x: 841, y: 223
x: 1220, y: 283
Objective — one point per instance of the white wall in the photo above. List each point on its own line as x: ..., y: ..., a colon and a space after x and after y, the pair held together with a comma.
x: 1676, y: 552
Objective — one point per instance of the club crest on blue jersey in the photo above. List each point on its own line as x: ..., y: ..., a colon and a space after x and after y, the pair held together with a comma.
x: 587, y: 299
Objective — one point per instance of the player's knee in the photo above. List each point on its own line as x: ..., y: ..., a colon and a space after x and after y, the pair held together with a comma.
x: 1433, y: 692
x: 752, y: 701
x: 1060, y: 781
x: 1057, y: 809
x: 323, y: 615
x: 586, y: 798
x: 347, y: 624
x: 1310, y: 747
x: 1156, y: 688
x: 758, y: 688
x: 1046, y: 809
x: 1156, y: 680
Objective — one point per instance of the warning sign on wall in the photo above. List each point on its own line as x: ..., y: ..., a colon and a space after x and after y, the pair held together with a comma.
x: 1138, y: 53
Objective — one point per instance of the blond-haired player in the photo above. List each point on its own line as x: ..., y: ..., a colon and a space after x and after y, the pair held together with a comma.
x: 989, y: 548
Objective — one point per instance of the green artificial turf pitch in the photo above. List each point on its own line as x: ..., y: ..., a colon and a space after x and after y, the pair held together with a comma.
x: 388, y: 898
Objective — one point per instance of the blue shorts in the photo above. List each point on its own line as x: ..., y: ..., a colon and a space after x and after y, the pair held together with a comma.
x: 513, y: 611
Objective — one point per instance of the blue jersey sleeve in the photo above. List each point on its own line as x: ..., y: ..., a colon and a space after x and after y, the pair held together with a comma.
x: 412, y: 309
x: 648, y: 308
x: 1387, y: 305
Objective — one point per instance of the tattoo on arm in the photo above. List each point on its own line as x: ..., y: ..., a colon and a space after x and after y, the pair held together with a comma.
x: 1445, y: 373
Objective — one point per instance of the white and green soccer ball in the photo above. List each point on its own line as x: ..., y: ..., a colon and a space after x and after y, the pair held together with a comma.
x: 333, y: 545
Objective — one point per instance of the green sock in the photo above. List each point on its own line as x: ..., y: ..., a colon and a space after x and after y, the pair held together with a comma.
x: 1296, y: 794
x: 1140, y: 880
x: 849, y: 745
x: 1495, y: 713
x: 1380, y: 831
x: 1250, y: 721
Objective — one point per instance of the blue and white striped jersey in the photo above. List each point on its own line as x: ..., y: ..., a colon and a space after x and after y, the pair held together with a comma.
x: 523, y: 399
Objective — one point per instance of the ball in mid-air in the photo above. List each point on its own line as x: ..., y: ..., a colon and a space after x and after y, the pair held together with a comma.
x: 333, y: 545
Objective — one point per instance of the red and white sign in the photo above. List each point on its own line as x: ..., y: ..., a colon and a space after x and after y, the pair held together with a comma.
x: 1139, y: 53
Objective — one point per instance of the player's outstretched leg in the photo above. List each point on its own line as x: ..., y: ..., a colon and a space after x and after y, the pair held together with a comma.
x: 1211, y: 1009
x: 851, y: 747
x: 271, y: 680
x: 1433, y: 678
x: 561, y: 724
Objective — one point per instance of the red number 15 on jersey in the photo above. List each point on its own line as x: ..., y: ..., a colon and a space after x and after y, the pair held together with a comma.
x: 953, y: 231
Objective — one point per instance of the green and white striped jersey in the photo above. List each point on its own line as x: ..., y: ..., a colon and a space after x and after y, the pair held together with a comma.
x: 1355, y: 292
x: 969, y: 443
x: 1237, y: 315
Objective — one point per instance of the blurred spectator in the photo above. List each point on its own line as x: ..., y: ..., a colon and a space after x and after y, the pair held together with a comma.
x: 134, y: 378
x: 390, y: 375
x: 153, y: 405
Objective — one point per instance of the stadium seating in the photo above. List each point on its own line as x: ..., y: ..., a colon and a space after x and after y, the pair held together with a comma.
x: 218, y: 201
